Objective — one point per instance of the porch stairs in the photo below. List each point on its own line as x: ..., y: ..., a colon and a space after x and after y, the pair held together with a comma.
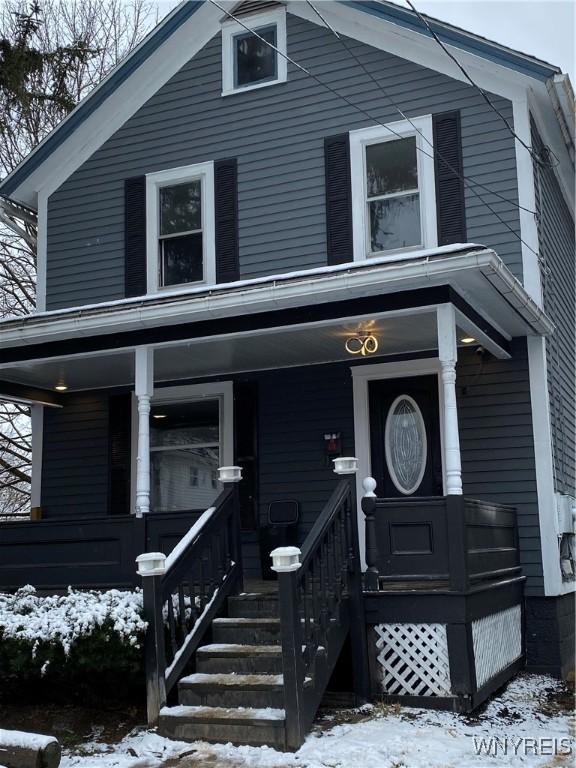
x: 237, y: 691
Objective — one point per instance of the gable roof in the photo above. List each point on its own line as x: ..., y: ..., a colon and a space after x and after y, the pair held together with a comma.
x: 23, y: 188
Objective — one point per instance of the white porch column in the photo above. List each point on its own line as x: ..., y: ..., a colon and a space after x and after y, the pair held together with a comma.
x: 144, y: 389
x: 448, y: 355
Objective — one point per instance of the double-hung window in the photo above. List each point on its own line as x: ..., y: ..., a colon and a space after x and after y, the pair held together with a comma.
x: 394, y: 206
x: 180, y: 227
x: 256, y: 58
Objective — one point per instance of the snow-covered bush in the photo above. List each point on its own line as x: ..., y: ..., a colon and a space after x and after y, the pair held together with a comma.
x: 66, y: 646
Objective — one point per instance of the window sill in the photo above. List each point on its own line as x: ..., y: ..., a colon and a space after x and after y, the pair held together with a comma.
x: 401, y: 254
x: 255, y: 87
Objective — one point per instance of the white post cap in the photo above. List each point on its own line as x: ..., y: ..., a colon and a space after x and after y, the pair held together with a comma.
x: 345, y: 465
x: 369, y: 485
x: 285, y: 559
x: 151, y: 564
x: 229, y: 474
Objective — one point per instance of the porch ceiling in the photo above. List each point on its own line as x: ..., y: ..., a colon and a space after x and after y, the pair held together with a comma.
x: 216, y: 356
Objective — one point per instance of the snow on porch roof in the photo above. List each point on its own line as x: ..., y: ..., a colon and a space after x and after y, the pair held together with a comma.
x: 467, y: 41
x: 474, y: 271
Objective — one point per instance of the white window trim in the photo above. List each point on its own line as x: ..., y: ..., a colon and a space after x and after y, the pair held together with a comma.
x: 231, y: 29
x: 154, y: 182
x: 421, y: 128
x: 219, y: 390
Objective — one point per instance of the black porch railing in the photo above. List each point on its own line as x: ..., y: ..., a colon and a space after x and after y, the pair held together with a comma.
x: 451, y: 541
x: 320, y: 604
x: 179, y: 604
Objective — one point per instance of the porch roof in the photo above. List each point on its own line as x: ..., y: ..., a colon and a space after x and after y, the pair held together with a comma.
x: 298, y: 318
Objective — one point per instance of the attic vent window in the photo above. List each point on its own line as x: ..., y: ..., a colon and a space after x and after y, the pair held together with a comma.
x: 253, y: 59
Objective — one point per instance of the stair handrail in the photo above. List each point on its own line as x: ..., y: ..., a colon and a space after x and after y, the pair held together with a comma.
x: 183, y: 592
x: 320, y: 599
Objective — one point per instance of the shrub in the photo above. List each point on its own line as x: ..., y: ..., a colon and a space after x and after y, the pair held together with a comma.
x: 82, y: 646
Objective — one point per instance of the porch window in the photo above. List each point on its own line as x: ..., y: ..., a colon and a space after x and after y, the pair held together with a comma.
x: 185, y: 448
x: 253, y: 59
x: 180, y: 229
x: 394, y: 200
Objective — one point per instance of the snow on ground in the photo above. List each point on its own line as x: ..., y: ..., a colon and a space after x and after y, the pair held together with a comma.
x: 529, y: 731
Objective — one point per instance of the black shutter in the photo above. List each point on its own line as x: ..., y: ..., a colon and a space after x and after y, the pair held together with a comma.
x: 338, y: 199
x: 226, y: 216
x: 135, y: 236
x: 119, y: 431
x: 450, y: 208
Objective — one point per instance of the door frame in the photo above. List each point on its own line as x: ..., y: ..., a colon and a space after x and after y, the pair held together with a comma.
x: 361, y: 376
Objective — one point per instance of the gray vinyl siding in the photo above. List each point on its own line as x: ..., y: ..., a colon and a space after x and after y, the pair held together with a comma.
x: 277, y: 135
x: 557, y: 250
x: 497, y: 444
x: 75, y: 456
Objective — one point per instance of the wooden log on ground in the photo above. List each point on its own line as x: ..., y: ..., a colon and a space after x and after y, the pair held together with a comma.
x: 28, y: 750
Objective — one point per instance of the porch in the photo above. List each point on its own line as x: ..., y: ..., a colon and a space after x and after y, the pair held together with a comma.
x: 281, y: 394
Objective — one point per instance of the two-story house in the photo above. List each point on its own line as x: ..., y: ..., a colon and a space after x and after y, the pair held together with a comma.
x: 275, y: 236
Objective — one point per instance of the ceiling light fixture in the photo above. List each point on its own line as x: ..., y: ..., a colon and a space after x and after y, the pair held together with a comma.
x: 158, y: 415
x: 361, y: 345
x: 468, y: 340
x: 61, y: 387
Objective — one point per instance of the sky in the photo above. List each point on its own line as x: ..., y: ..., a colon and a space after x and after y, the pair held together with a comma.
x: 541, y: 28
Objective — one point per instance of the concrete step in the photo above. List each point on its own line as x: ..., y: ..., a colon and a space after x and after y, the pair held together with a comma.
x: 220, y: 725
x: 232, y: 690
x: 253, y: 631
x: 242, y: 659
x: 253, y: 604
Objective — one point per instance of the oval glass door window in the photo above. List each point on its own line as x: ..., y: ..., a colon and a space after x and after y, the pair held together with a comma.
x: 405, y: 444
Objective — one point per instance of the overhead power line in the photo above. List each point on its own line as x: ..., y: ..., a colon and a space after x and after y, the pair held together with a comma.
x: 375, y: 120
x: 481, y: 91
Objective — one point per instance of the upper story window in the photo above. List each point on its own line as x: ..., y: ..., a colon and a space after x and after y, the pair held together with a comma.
x: 180, y: 227
x: 250, y: 60
x: 393, y: 194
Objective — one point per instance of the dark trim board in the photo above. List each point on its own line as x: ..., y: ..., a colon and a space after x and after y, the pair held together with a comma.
x: 251, y: 322
x: 21, y: 393
x: 386, y: 607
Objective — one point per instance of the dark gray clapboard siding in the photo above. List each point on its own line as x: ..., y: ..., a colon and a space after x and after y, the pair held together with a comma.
x: 556, y: 238
x: 497, y: 444
x: 277, y: 134
x: 75, y: 455
x: 297, y: 407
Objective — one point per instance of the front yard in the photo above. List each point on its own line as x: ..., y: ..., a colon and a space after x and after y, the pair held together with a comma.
x: 530, y: 723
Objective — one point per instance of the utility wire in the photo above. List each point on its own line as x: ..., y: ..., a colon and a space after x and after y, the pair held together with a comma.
x: 362, y: 111
x: 537, y: 157
x: 436, y: 153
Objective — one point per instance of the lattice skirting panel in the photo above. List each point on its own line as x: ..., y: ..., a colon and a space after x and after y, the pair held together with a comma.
x: 497, y: 641
x: 414, y: 659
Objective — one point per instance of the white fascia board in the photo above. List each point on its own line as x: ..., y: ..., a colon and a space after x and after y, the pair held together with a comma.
x: 133, y: 93
x: 296, y: 289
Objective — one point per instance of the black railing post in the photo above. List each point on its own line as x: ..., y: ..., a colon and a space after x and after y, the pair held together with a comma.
x: 358, y: 636
x: 369, y: 502
x: 291, y: 639
x: 457, y: 545
x: 238, y: 539
x: 151, y: 566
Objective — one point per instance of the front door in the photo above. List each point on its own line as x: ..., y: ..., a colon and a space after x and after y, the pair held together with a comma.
x: 405, y: 437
